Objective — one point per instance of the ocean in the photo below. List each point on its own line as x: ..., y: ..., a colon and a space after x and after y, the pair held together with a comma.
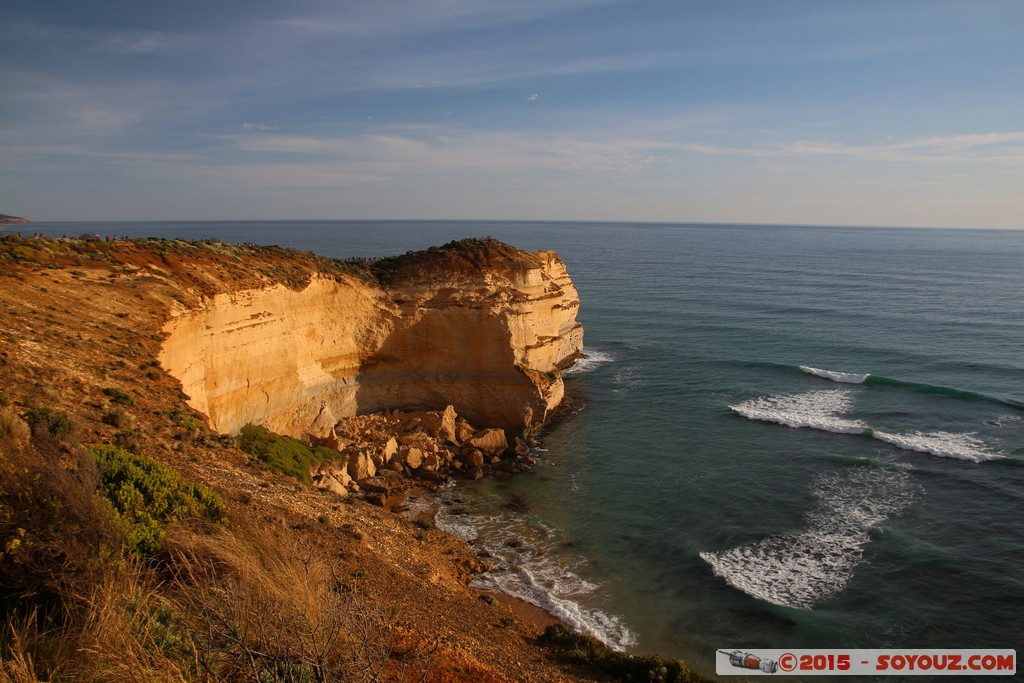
x: 785, y: 436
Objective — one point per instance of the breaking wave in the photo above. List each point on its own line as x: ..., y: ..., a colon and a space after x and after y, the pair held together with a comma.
x: 963, y: 446
x: 824, y: 410
x: 844, y: 377
x: 806, y: 567
x: 587, y: 362
x: 814, y: 410
x: 872, y: 380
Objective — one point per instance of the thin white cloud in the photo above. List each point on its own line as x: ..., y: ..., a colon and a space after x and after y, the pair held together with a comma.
x: 991, y: 147
x: 436, y: 149
x: 117, y: 41
x: 373, y: 20
x: 532, y: 98
x: 256, y: 125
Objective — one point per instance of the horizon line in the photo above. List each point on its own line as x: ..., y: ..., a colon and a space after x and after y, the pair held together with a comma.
x: 514, y: 220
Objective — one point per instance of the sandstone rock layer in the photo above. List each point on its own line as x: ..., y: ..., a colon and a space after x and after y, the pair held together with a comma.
x: 485, y: 330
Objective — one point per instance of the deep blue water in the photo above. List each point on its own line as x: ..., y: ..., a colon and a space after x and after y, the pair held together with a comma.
x: 711, y: 493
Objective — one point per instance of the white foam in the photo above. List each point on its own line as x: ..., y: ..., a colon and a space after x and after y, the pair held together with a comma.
x: 627, y: 380
x: 527, y: 565
x: 804, y: 568
x: 844, y: 377
x: 1005, y: 420
x: 814, y: 410
x: 824, y: 409
x: 587, y: 362
x: 965, y: 446
x: 415, y: 506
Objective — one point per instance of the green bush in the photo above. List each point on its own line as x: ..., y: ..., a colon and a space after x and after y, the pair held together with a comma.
x: 148, y: 495
x: 118, y: 418
x: 119, y: 396
x: 283, y: 453
x: 185, y: 419
x: 49, y: 422
x: 589, y: 651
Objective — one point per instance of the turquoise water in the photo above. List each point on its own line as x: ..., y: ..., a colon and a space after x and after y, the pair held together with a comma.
x: 789, y: 436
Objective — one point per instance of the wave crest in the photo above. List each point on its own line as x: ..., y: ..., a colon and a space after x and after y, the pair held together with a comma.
x: 823, y: 410
x: 813, y: 410
x: 964, y: 446
x: 587, y: 362
x: 835, y: 376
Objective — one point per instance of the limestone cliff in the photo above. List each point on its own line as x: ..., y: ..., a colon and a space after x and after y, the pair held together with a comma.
x: 475, y: 324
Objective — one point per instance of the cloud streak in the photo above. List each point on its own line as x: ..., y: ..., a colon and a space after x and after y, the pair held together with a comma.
x: 1004, y: 147
x: 383, y: 18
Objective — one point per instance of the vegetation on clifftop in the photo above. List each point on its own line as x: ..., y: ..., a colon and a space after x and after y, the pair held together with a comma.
x: 291, y: 267
x: 470, y: 254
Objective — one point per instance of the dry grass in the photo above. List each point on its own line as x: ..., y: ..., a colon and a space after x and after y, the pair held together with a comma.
x: 214, y: 603
x: 12, y: 427
x: 224, y: 606
x: 130, y: 632
x: 263, y: 607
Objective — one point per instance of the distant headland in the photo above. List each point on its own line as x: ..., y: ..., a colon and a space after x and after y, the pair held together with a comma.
x: 13, y: 220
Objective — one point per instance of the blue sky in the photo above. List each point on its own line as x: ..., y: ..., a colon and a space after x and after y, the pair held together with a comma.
x: 867, y: 112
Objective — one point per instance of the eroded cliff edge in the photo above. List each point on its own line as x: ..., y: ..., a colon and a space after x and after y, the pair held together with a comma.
x: 476, y: 324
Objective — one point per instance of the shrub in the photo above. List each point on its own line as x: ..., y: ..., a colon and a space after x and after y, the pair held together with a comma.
x: 186, y: 419
x: 54, y: 529
x: 283, y: 453
x: 48, y: 422
x: 118, y: 418
x: 128, y: 439
x: 119, y: 396
x: 148, y: 495
x: 13, y: 427
x: 589, y: 651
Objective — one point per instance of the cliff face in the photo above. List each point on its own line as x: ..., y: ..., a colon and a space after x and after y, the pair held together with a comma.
x: 484, y: 330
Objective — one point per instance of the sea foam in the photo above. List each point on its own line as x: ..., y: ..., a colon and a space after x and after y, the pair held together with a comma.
x: 814, y: 410
x: 804, y: 568
x: 587, y: 362
x: 843, y: 377
x: 964, y: 446
x: 824, y: 410
x: 527, y: 564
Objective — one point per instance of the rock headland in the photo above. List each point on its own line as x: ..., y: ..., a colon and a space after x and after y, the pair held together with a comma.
x: 411, y: 369
x: 476, y: 324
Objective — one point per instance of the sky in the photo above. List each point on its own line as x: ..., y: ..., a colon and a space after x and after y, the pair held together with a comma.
x: 866, y: 112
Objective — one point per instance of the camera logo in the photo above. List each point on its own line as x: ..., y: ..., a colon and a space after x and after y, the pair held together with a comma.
x: 744, y: 660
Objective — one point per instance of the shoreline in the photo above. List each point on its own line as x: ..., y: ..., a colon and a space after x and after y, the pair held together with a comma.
x: 523, y: 609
